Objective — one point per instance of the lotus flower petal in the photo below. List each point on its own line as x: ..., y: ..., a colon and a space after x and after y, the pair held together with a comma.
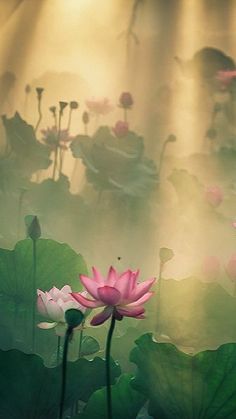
x: 102, y: 317
x: 110, y: 296
x: 47, y: 325
x: 55, y: 312
x: 41, y: 306
x: 141, y: 289
x: 112, y: 277
x: 97, y: 276
x: 130, y: 311
x: 125, y: 284
x: 85, y: 301
x: 91, y: 285
x: 141, y: 300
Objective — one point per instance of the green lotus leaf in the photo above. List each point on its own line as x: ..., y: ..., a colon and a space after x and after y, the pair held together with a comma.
x: 126, y: 402
x: 89, y: 346
x: 180, y: 386
x: 28, y: 389
x: 57, y: 264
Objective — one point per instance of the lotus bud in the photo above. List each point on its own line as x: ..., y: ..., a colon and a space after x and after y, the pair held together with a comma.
x: 74, y: 317
x: 33, y: 227
x: 39, y: 91
x: 171, y: 139
x: 121, y: 129
x: 53, y: 109
x: 62, y: 106
x: 74, y: 104
x: 126, y: 100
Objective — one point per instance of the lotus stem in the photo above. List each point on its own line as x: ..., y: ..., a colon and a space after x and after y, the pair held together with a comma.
x: 69, y: 120
x: 34, y: 242
x: 159, y: 295
x: 81, y: 341
x: 20, y: 202
x: 64, y: 369
x: 40, y: 114
x: 125, y: 115
x: 57, y: 147
x: 58, y: 349
x: 108, y: 369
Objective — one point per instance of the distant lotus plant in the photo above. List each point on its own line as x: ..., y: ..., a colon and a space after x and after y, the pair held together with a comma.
x: 99, y: 106
x: 126, y: 102
x: 211, y: 268
x: 121, y: 296
x: 226, y: 76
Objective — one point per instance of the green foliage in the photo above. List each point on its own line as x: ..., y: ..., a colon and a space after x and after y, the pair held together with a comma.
x: 184, y: 386
x: 30, y: 154
x: 126, y: 402
x: 165, y: 254
x: 30, y: 390
x: 57, y: 264
x: 116, y: 164
x: 89, y: 346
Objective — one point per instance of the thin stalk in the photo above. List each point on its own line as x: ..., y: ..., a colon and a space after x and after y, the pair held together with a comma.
x: 20, y: 202
x: 58, y: 349
x: 57, y: 147
x: 64, y: 365
x: 86, y: 129
x: 34, y: 291
x: 108, y: 369
x: 81, y: 341
x: 162, y: 156
x: 159, y: 296
x: 125, y: 115
x: 69, y: 120
x: 40, y: 115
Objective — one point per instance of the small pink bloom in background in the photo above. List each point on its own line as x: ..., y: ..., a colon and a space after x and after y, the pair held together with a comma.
x: 211, y: 268
x: 99, y: 106
x: 231, y: 267
x: 50, y: 137
x: 234, y: 224
x: 214, y: 195
x: 126, y: 100
x: 53, y: 305
x: 121, y: 295
x: 226, y: 77
x: 121, y: 129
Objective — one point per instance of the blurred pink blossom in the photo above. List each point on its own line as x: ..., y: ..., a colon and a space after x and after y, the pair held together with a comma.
x: 50, y: 138
x: 99, y: 106
x: 121, y: 129
x: 211, y: 268
x: 226, y: 76
x: 126, y: 100
x: 121, y: 295
x: 214, y: 195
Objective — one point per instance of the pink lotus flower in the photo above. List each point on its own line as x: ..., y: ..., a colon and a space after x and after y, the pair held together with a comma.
x: 214, y: 196
x: 231, y: 267
x: 226, y: 77
x: 50, y: 138
x: 121, y: 129
x: 99, y: 106
x: 126, y: 100
x: 121, y: 295
x: 211, y: 268
x: 53, y: 305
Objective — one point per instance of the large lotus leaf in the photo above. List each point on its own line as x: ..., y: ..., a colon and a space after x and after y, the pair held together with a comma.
x: 195, y: 314
x: 126, y: 402
x: 30, y: 154
x: 57, y: 264
x: 181, y: 386
x: 111, y: 161
x: 30, y: 390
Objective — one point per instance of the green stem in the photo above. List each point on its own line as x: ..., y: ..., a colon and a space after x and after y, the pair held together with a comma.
x: 58, y: 349
x: 69, y: 120
x: 20, y: 202
x: 57, y: 148
x: 159, y: 297
x: 125, y: 115
x: 162, y: 156
x: 40, y: 115
x: 81, y: 340
x: 34, y: 291
x: 108, y: 369
x: 64, y: 365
